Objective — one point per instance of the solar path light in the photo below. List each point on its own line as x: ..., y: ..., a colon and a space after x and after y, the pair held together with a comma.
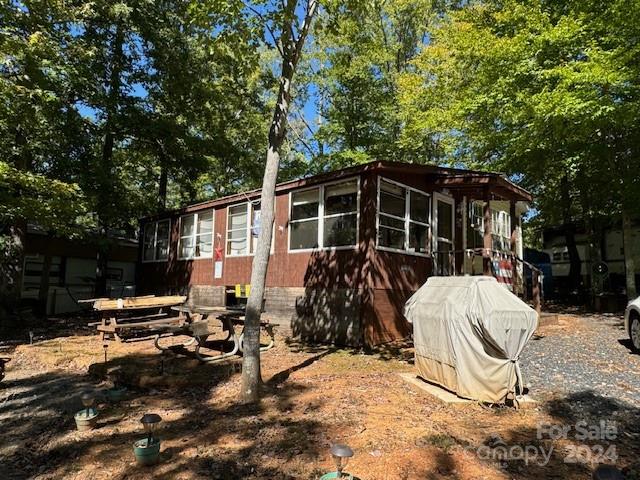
x: 117, y: 391
x: 341, y: 454
x: 147, y: 450
x: 87, y: 417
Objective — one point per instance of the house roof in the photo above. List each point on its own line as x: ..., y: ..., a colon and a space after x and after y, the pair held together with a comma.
x: 453, y: 178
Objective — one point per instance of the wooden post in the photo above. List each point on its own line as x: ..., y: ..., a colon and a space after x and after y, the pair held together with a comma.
x: 514, y: 246
x: 487, y: 239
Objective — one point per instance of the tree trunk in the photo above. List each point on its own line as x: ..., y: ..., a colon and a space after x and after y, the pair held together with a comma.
x: 575, y: 265
x: 11, y: 272
x: 43, y: 290
x: 162, y: 187
x: 629, y: 263
x: 251, y: 376
x: 291, y: 49
x: 102, y: 261
x: 106, y: 194
x: 594, y: 239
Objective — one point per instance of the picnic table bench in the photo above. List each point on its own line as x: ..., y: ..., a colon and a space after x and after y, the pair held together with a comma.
x: 199, y: 326
x: 118, y: 315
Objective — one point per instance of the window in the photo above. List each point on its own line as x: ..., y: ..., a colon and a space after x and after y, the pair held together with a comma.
x: 237, y: 230
x: 475, y: 225
x: 304, y: 226
x: 242, y: 235
x: 255, y: 228
x: 403, y: 218
x: 324, y: 217
x: 476, y: 215
x: 156, y: 241
x: 32, y: 273
x: 500, y: 227
x: 340, y: 218
x: 444, y: 234
x: 560, y: 255
x: 392, y: 212
x: 196, y: 235
x: 500, y: 230
x: 418, y: 222
x: 34, y: 269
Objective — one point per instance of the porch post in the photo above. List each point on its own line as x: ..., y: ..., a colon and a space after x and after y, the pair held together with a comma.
x: 487, y: 240
x: 514, y: 247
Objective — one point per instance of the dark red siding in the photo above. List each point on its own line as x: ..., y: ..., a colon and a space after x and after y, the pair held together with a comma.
x: 381, y: 280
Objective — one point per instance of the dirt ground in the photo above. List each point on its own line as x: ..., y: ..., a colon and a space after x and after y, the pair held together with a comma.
x: 313, y: 397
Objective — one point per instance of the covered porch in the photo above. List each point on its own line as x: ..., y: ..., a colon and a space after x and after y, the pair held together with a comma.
x: 487, y: 232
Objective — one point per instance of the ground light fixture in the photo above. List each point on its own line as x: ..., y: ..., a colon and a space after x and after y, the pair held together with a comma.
x: 341, y: 455
x: 116, y: 392
x: 147, y: 450
x: 87, y: 417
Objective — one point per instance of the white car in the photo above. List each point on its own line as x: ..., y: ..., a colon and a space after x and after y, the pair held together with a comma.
x: 632, y: 323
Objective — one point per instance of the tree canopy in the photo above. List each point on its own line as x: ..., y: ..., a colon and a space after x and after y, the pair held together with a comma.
x: 543, y: 90
x: 135, y: 100
x: 135, y: 106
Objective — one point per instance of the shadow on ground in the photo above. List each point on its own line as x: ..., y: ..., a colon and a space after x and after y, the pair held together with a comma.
x: 586, y: 429
x: 208, y: 435
x: 232, y: 441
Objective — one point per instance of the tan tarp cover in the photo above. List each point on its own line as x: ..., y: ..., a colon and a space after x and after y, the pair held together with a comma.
x: 468, y: 334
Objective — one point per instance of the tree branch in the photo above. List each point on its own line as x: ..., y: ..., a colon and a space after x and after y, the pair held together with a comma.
x: 304, y: 120
x: 266, y: 24
x: 302, y: 140
x: 312, y: 6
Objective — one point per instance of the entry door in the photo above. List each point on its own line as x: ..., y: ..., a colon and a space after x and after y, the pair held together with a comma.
x: 443, y: 234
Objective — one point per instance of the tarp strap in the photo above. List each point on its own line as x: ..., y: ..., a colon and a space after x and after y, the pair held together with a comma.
x: 519, y: 378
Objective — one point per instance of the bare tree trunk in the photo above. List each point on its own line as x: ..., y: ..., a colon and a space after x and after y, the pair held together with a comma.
x: 164, y: 176
x: 11, y: 273
x: 43, y: 290
x: 251, y: 376
x: 106, y: 194
x: 291, y: 49
x: 162, y: 187
x: 11, y: 269
x: 105, y: 200
x: 102, y: 264
x: 575, y: 264
x: 629, y: 263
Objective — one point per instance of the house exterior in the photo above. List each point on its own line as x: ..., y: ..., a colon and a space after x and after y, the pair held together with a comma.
x: 349, y: 247
x: 72, y: 271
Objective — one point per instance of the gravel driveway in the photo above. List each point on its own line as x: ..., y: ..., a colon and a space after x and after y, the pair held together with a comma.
x: 587, y: 353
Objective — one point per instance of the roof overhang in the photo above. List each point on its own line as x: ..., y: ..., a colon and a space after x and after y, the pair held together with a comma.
x: 453, y: 178
x: 484, y: 185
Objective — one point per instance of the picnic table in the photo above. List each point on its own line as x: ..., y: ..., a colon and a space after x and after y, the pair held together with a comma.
x: 202, y: 322
x: 133, y: 313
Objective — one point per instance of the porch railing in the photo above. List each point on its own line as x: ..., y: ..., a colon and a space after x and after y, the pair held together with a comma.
x: 520, y: 276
